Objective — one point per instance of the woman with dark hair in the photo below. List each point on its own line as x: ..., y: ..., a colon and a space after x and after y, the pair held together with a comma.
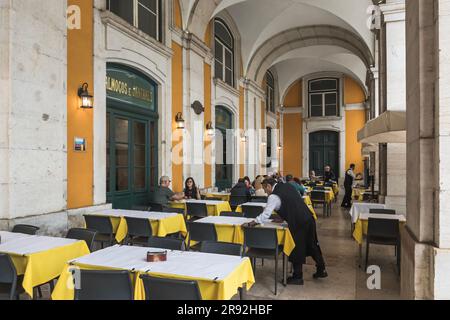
x: 190, y: 190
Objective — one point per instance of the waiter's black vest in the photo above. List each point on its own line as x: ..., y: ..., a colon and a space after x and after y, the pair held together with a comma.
x: 293, y: 209
x: 348, y: 182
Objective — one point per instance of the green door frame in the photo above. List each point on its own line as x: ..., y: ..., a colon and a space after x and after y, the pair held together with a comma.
x: 223, y: 184
x: 323, y: 148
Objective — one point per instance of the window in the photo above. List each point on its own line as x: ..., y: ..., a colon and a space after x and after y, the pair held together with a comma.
x: 224, y: 53
x: 324, y: 98
x: 142, y: 14
x: 270, y: 92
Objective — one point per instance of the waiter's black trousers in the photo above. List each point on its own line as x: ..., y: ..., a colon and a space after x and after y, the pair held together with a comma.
x: 316, y: 254
x: 347, y: 202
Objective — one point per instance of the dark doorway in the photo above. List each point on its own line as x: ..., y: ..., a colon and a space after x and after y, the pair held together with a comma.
x: 323, y: 151
x: 224, y: 148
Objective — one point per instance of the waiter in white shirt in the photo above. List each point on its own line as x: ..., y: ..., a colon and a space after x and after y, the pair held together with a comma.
x: 287, y: 202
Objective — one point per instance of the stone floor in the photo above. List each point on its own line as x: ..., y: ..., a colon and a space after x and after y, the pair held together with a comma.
x: 346, y: 280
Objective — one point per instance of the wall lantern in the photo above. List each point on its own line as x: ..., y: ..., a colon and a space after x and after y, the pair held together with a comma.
x: 87, y: 100
x: 210, y: 128
x: 243, y: 136
x: 180, y: 121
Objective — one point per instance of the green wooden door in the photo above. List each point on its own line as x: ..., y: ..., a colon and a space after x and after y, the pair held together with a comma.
x: 224, y: 148
x: 132, y: 137
x: 323, y: 151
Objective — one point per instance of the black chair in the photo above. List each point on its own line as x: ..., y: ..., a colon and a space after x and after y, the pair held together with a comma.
x: 87, y: 235
x: 319, y: 197
x: 196, y: 210
x: 236, y: 201
x: 167, y: 243
x: 104, y: 228
x: 170, y: 289
x: 262, y: 243
x: 232, y: 214
x: 25, y: 229
x: 382, y: 211
x: 141, y: 208
x: 252, y: 212
x: 156, y: 207
x: 259, y: 199
x: 229, y: 249
x: 104, y: 285
x: 9, y: 282
x: 139, y: 231
x: 173, y: 210
x: 384, y: 232
x: 213, y: 199
x: 319, y: 188
x: 200, y: 232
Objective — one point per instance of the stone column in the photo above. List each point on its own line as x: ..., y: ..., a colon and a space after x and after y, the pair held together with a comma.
x: 426, y: 238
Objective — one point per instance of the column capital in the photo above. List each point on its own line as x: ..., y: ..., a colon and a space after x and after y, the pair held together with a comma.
x: 393, y: 11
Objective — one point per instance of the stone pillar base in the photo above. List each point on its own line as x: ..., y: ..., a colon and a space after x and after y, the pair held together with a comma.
x: 56, y: 223
x: 425, y: 270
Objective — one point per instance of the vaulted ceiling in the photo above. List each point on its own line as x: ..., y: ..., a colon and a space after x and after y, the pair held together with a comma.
x: 293, y: 37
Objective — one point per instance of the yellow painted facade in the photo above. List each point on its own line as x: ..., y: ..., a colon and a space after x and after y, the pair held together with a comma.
x: 80, y: 122
x: 177, y: 17
x: 354, y: 121
x: 177, y: 106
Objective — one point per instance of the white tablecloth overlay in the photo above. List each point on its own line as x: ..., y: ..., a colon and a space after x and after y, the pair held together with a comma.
x: 237, y: 221
x: 186, y: 264
x: 26, y: 244
x: 358, y: 208
x: 367, y: 216
x: 134, y: 214
x: 207, y: 202
x: 255, y: 204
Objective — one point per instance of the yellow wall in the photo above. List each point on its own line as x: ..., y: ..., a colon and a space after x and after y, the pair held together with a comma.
x: 177, y: 106
x: 354, y: 121
x: 208, y: 117
x: 177, y: 18
x: 353, y: 92
x: 241, y: 126
x: 80, y: 122
x: 208, y: 33
x: 293, y: 132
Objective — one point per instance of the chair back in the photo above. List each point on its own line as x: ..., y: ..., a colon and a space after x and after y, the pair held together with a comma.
x: 382, y: 211
x: 318, y: 196
x: 229, y: 249
x: 213, y: 199
x: 173, y: 210
x: 321, y: 188
x: 260, y: 238
x: 104, y: 285
x: 141, y: 208
x: 202, y: 231
x: 101, y: 224
x: 199, y: 210
x: 170, y: 289
x: 236, y: 201
x: 232, y: 214
x: 252, y: 212
x: 167, y: 243
x: 8, y: 274
x: 138, y: 227
x: 156, y: 207
x: 25, y: 229
x: 383, y: 228
x: 259, y: 199
x: 88, y: 235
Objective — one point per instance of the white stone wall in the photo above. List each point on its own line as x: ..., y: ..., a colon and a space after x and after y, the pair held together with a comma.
x: 33, y: 108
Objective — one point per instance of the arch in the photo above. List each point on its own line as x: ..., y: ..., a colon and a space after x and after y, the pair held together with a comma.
x: 289, y: 40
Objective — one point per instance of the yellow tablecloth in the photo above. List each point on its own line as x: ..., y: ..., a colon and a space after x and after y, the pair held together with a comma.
x: 213, y: 210
x: 210, y: 290
x: 39, y: 268
x: 361, y: 228
x: 161, y: 228
x: 357, y: 194
x: 223, y: 197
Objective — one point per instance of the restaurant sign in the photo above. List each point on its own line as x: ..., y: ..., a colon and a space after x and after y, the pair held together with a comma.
x: 128, y: 86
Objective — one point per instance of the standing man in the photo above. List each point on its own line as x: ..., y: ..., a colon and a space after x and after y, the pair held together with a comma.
x: 285, y: 200
x: 348, y: 185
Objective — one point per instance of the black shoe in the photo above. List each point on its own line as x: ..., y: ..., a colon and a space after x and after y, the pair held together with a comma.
x: 320, y: 275
x: 295, y: 281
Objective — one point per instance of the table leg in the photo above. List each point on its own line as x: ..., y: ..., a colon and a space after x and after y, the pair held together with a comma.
x: 242, y: 292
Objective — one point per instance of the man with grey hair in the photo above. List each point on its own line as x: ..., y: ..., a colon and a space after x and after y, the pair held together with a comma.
x: 163, y: 194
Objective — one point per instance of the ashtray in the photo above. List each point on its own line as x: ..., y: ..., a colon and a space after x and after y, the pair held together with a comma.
x: 157, y: 256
